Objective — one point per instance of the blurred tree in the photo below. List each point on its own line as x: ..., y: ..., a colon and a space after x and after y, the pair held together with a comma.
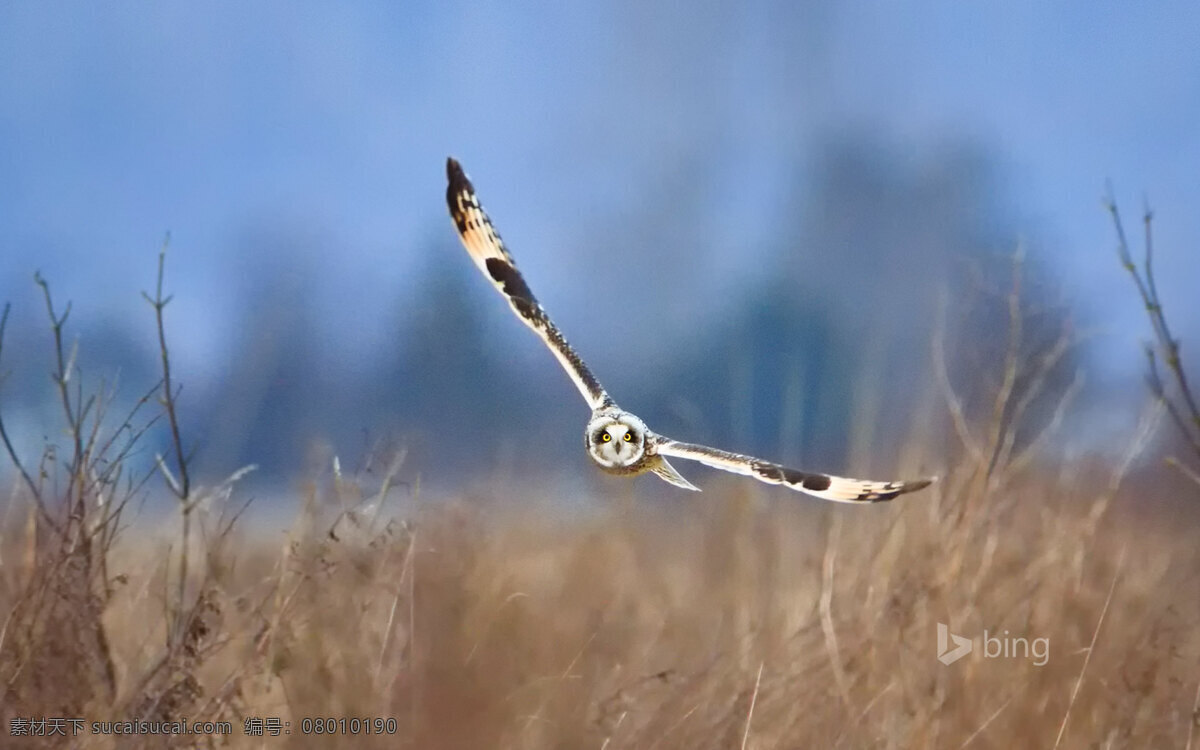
x: 451, y: 393
x: 278, y: 392
x: 767, y: 380
x: 828, y: 361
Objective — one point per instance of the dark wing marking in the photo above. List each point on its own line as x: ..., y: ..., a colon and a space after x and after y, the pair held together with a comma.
x: 825, y: 486
x: 487, y: 250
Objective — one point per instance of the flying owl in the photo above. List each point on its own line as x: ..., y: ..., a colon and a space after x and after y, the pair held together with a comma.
x: 617, y: 440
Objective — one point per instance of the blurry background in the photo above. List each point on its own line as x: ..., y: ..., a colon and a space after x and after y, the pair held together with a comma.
x: 743, y: 214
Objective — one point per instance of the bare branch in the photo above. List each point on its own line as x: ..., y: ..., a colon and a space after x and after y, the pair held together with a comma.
x: 1182, y: 405
x: 1026, y: 455
x: 1034, y: 388
x: 1183, y: 469
x: 182, y: 486
x: 953, y: 403
x: 1001, y: 421
x: 34, y: 491
x: 64, y: 364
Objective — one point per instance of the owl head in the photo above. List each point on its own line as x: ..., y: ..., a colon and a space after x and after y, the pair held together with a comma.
x: 616, y: 439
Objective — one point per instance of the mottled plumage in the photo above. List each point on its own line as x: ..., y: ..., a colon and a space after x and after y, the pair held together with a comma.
x: 617, y: 440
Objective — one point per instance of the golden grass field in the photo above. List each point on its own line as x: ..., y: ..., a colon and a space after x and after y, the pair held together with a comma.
x: 742, y: 617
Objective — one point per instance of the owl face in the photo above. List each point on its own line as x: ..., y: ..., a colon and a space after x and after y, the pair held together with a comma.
x: 616, y: 440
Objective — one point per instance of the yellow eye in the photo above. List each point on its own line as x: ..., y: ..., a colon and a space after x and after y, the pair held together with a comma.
x: 606, y: 437
x: 629, y: 437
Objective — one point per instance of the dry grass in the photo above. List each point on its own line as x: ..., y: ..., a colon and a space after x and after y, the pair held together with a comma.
x: 660, y: 625
x: 745, y: 617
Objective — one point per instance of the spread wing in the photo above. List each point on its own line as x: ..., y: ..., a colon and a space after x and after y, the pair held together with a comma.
x: 824, y: 486
x: 485, y: 247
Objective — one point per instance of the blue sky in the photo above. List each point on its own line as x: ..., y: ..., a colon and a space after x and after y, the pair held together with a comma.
x: 123, y: 121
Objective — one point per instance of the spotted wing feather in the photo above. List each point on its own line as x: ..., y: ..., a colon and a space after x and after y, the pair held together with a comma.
x: 487, y: 250
x: 824, y: 486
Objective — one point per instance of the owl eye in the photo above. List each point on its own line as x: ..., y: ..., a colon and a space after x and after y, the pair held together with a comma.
x: 605, y: 437
x: 629, y: 437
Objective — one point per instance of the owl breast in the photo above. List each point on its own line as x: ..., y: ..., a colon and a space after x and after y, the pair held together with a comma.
x: 641, y: 466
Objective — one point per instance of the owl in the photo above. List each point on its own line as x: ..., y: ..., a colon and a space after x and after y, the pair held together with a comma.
x: 618, y: 441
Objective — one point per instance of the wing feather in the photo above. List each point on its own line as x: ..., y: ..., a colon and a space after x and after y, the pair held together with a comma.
x: 487, y: 250
x: 824, y: 486
x: 668, y: 473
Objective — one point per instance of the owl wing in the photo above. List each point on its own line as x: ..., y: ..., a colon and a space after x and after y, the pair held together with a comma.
x: 824, y: 486
x: 485, y: 247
